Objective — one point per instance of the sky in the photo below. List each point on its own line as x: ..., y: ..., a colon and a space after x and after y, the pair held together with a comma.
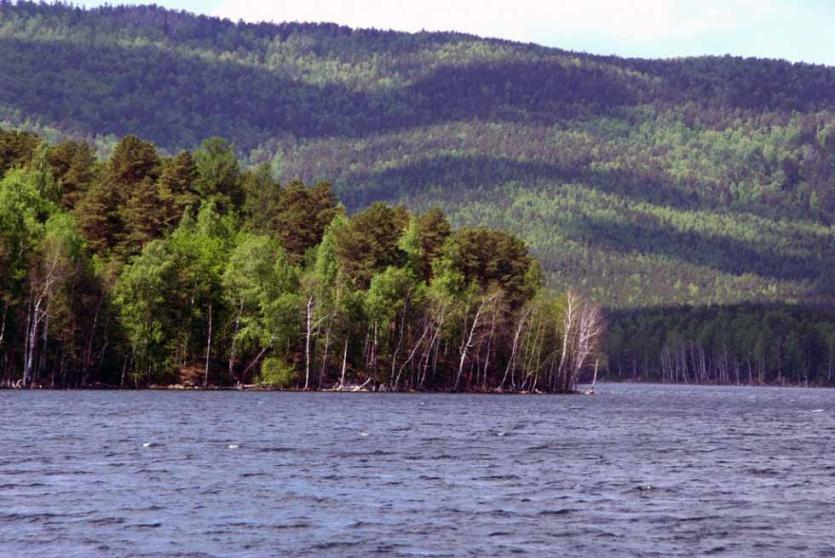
x: 796, y: 30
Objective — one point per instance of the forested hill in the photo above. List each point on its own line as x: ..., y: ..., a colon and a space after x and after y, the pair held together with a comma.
x: 705, y: 180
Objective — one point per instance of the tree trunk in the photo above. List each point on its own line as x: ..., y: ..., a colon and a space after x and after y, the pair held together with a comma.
x: 511, y: 363
x: 208, y: 350
x: 232, y: 348
x: 411, y: 356
x: 256, y: 359
x: 344, y: 365
x: 325, y: 351
x: 307, y: 339
x: 3, y: 324
x: 468, y: 343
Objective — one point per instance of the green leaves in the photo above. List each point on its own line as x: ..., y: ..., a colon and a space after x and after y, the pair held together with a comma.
x: 289, y: 284
x: 218, y: 173
x: 23, y: 212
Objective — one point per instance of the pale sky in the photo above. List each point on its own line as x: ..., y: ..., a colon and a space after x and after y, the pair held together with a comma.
x: 797, y: 30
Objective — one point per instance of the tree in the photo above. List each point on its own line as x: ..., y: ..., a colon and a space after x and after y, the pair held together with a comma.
x: 22, y: 214
x: 258, y: 282
x: 97, y: 215
x: 40, y: 173
x: 141, y: 216
x: 492, y: 258
x: 146, y: 313
x: 58, y: 260
x: 74, y: 167
x: 291, y: 292
x: 170, y: 299
x: 16, y: 149
x: 393, y: 299
x: 370, y: 243
x: 176, y: 189
x: 301, y: 216
x: 262, y: 200
x: 218, y: 173
x: 133, y: 160
x: 434, y: 230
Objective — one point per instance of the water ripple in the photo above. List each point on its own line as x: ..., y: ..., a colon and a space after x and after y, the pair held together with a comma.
x: 636, y: 471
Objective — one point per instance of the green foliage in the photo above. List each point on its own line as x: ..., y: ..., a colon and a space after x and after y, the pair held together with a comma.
x: 133, y: 160
x: 40, y: 172
x: 22, y: 214
x: 176, y: 189
x: 149, y: 321
x: 259, y: 284
x: 218, y: 173
x: 493, y: 259
x: 277, y: 373
x: 370, y: 242
x: 300, y: 216
x: 229, y: 297
x: 16, y: 149
x: 638, y: 182
x: 74, y: 168
x: 704, y: 181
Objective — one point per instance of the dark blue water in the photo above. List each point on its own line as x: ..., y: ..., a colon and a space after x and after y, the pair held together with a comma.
x: 635, y: 470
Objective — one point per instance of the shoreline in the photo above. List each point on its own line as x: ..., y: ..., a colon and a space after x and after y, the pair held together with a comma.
x: 582, y: 388
x: 256, y: 388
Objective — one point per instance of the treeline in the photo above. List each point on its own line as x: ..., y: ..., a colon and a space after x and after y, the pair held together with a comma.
x: 745, y: 344
x: 145, y: 269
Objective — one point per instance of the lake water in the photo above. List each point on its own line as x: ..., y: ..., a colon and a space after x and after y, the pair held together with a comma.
x: 635, y: 470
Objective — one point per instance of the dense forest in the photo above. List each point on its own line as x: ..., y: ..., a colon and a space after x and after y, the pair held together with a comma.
x: 741, y: 344
x: 144, y: 269
x: 696, y: 193
x: 693, y: 181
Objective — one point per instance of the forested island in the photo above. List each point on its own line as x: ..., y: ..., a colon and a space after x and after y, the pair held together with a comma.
x: 693, y: 198
x: 147, y: 270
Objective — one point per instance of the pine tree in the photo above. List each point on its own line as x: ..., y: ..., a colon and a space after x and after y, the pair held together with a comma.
x: 141, y: 216
x: 218, y: 173
x: 176, y: 189
x: 302, y: 215
x: 132, y: 161
x: 97, y: 217
x: 74, y: 166
x: 434, y: 230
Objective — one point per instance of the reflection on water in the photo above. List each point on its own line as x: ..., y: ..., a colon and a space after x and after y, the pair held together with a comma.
x: 635, y: 470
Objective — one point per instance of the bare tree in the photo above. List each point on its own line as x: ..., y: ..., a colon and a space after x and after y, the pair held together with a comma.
x: 469, y: 341
x: 583, y: 328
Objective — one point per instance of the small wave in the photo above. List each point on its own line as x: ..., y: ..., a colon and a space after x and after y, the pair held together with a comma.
x: 154, y: 525
x: 563, y: 511
x: 106, y: 521
x: 8, y: 486
x: 27, y: 517
x: 332, y: 545
x: 497, y: 477
x: 277, y: 449
x: 296, y: 525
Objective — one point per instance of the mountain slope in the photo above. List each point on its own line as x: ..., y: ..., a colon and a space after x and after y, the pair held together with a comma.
x: 641, y: 182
